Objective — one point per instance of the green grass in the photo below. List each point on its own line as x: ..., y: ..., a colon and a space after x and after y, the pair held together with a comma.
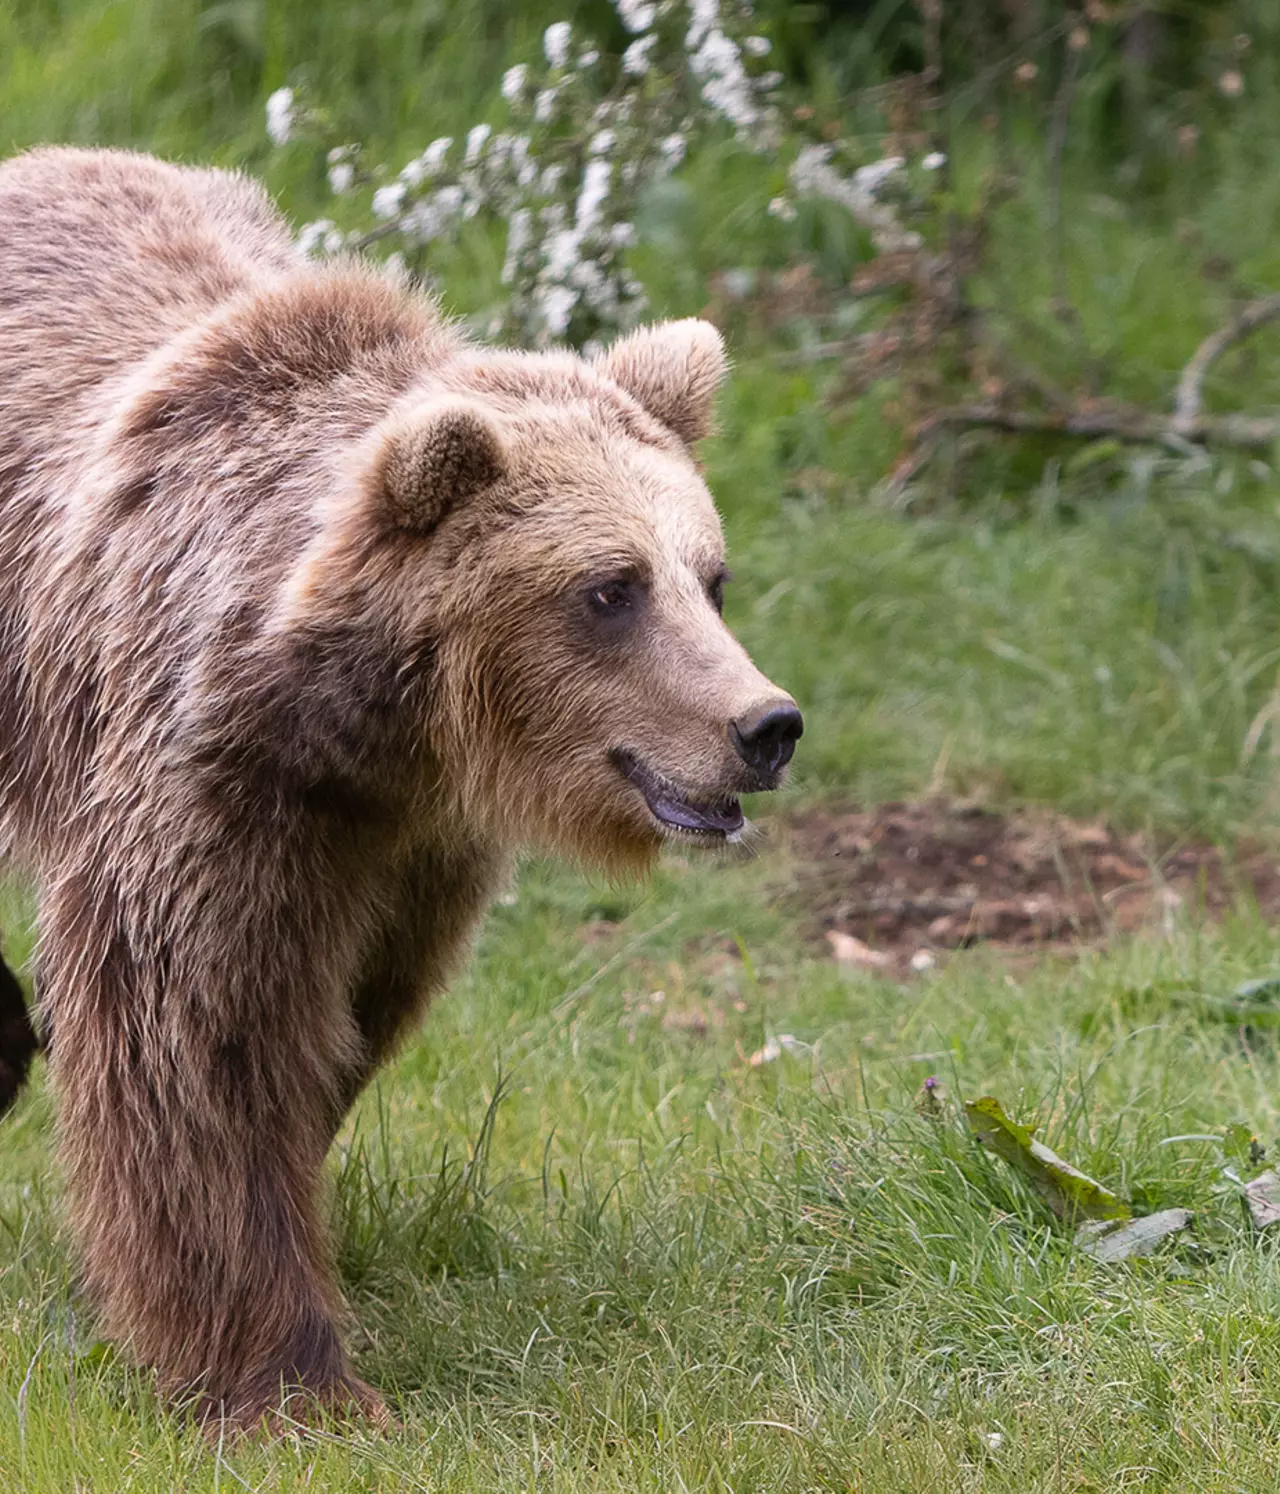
x: 587, y: 1244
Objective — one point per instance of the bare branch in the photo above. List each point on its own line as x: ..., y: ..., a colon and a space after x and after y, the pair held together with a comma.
x: 374, y: 235
x: 1141, y: 427
x: 909, y: 466
x: 1247, y: 432
x: 1187, y: 400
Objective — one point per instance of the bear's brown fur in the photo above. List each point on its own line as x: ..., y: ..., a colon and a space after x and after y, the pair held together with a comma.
x: 311, y: 615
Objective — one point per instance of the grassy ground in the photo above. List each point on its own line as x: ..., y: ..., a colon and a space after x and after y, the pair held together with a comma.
x: 587, y: 1244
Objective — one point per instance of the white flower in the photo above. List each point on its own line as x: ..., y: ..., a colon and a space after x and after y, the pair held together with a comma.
x: 595, y: 188
x: 544, y: 105
x: 757, y: 46
x: 812, y: 172
x: 450, y: 201
x: 589, y: 58
x: 703, y: 15
x: 549, y: 182
x: 428, y: 219
x: 280, y: 115
x: 519, y: 236
x: 623, y: 235
x: 311, y: 236
x: 558, y: 302
x: 807, y: 163
x: 428, y: 163
x: 871, y: 178
x: 341, y: 175
x: 602, y: 144
x: 636, y: 15
x: 476, y: 138
x: 470, y: 193
x: 635, y: 60
x: 934, y: 161
x: 561, y: 251
x: 433, y: 157
x: 725, y: 84
x: 588, y: 277
x: 513, y: 81
x: 526, y: 166
x: 673, y: 149
x: 726, y: 96
x: 782, y: 207
x: 555, y: 42
x: 387, y: 200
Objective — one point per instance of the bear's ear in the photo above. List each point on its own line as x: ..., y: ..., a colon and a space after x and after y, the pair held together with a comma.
x: 673, y: 370
x: 433, y: 457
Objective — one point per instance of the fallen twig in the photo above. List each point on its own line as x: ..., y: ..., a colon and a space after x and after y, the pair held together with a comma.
x: 1250, y: 432
x: 1117, y: 423
x: 1186, y: 403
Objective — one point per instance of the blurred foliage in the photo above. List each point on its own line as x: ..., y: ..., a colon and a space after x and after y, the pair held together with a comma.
x: 169, y: 70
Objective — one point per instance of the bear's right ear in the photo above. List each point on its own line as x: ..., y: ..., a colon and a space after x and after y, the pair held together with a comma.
x: 673, y: 370
x: 433, y: 457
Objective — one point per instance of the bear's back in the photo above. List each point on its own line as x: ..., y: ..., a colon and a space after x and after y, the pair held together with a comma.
x: 105, y: 255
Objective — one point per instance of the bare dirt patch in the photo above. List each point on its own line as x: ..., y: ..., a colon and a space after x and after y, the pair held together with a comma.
x: 894, y: 886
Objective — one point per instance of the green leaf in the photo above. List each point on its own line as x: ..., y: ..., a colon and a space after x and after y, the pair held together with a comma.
x: 96, y: 1354
x: 1256, y: 1003
x: 1093, y: 455
x: 1067, y: 1191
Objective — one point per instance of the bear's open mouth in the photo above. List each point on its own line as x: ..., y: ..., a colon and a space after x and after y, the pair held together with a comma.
x: 673, y: 808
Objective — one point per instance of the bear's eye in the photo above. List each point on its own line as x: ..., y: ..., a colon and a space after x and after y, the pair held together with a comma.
x: 610, y: 598
x: 715, y: 589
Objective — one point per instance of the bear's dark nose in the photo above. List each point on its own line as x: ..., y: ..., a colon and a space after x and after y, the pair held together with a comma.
x: 766, y: 740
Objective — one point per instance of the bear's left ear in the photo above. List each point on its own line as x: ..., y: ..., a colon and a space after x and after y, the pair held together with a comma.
x: 673, y: 370
x: 433, y: 457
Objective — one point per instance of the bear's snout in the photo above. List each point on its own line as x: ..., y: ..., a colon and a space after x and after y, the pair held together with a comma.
x: 765, y: 739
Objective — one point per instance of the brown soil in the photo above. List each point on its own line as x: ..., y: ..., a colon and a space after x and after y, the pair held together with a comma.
x: 907, y: 881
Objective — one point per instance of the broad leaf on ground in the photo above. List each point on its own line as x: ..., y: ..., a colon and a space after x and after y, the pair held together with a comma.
x: 1068, y: 1192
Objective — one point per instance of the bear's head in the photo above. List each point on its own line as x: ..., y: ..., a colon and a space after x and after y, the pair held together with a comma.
x: 562, y: 562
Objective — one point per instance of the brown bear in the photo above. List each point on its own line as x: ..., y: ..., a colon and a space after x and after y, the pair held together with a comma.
x: 312, y: 614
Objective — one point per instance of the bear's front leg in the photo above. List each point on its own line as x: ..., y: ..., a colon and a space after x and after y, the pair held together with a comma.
x: 198, y: 1044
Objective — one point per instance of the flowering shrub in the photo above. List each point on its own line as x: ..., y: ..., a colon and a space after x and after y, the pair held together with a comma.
x: 585, y: 135
x: 873, y: 195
